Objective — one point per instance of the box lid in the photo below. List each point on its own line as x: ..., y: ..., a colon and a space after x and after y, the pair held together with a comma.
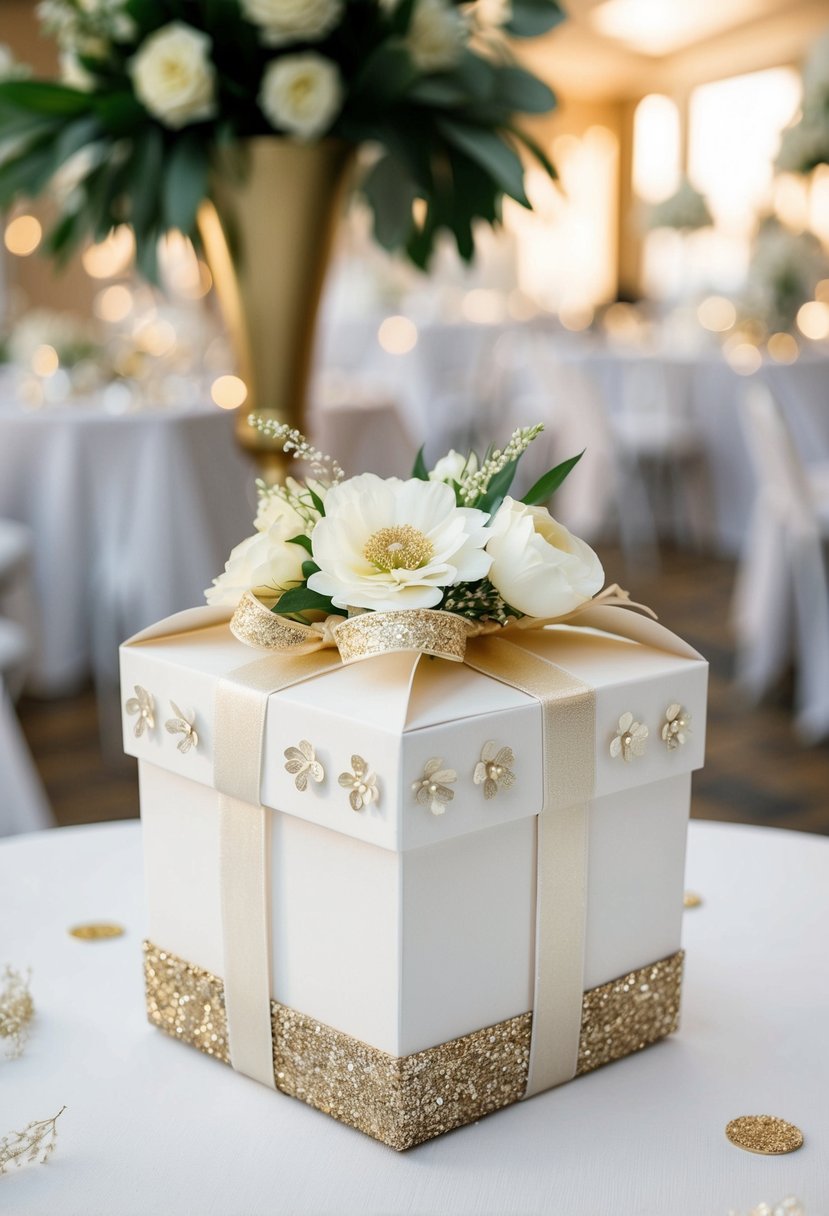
x: 398, y: 714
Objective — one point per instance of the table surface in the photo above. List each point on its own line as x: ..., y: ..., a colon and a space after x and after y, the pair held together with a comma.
x: 151, y: 1127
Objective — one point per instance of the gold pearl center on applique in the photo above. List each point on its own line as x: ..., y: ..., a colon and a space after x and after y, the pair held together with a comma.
x: 401, y: 547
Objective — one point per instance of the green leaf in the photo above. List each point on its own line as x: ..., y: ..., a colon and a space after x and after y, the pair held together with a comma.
x: 522, y: 92
x: 386, y: 75
x: 303, y: 540
x: 391, y: 193
x: 420, y: 471
x: 44, y: 97
x: 308, y: 568
x: 319, y: 505
x: 498, y: 488
x: 536, y: 150
x: 488, y: 150
x: 530, y: 18
x: 546, y: 486
x: 144, y: 173
x: 185, y: 182
x: 302, y: 599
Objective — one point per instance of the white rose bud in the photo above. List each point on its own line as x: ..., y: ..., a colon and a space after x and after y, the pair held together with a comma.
x: 286, y: 21
x: 301, y: 94
x: 538, y: 566
x: 266, y: 563
x: 174, y: 77
x: 453, y: 465
x: 436, y: 35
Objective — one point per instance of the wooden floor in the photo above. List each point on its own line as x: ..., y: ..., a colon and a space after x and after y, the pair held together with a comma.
x: 756, y: 772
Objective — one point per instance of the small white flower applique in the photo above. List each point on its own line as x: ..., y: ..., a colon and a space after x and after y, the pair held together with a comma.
x: 494, y: 769
x: 433, y: 786
x: 301, y: 762
x: 180, y: 725
x: 362, y: 782
x: 630, y: 739
x: 677, y: 726
x: 143, y: 705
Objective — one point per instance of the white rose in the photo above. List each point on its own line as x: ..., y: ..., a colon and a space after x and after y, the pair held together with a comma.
x: 266, y: 563
x: 301, y: 94
x: 436, y: 35
x: 453, y: 465
x: 538, y: 566
x: 74, y: 74
x: 388, y: 544
x: 286, y: 21
x: 174, y: 77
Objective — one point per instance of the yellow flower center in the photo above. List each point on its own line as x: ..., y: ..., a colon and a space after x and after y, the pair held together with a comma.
x: 399, y: 548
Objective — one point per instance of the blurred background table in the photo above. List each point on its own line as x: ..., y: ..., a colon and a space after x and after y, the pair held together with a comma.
x: 645, y: 1134
x: 132, y: 513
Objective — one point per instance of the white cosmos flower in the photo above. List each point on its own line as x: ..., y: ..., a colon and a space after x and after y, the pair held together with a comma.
x: 436, y: 35
x: 453, y: 465
x: 388, y: 544
x: 266, y: 563
x: 538, y: 566
x: 301, y: 94
x: 173, y: 75
x: 286, y: 21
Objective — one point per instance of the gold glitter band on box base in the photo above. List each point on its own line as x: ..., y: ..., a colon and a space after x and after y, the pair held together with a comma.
x: 408, y: 1099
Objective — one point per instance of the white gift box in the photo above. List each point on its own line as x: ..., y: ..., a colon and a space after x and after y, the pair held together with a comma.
x: 398, y: 935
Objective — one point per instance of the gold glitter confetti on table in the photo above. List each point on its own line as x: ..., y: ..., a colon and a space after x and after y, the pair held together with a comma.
x: 691, y: 900
x: 764, y: 1134
x: 97, y: 931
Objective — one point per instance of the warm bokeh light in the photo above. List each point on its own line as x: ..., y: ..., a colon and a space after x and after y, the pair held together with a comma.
x: 483, y: 306
x: 397, y: 335
x: 156, y: 337
x: 813, y: 320
x: 113, y: 304
x: 716, y: 314
x: 229, y: 392
x: 822, y: 291
x: 575, y: 316
x: 783, y: 347
x: 45, y: 361
x: 819, y: 203
x: 656, y: 148
x: 23, y: 235
x: 744, y: 358
x: 110, y: 257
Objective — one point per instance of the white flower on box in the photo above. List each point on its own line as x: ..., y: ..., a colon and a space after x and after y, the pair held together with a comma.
x: 277, y: 503
x: 266, y: 563
x: 74, y: 74
x: 538, y: 566
x: 436, y: 35
x: 453, y: 466
x: 173, y: 75
x: 286, y: 21
x: 387, y: 544
x: 301, y: 94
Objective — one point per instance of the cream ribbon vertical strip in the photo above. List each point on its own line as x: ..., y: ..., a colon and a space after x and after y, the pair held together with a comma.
x: 241, y: 707
x: 568, y: 724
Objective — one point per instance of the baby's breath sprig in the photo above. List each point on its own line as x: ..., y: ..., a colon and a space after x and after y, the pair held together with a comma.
x: 475, y: 484
x: 295, y: 494
x: 16, y: 1010
x: 296, y: 445
x: 35, y: 1143
x: 480, y: 602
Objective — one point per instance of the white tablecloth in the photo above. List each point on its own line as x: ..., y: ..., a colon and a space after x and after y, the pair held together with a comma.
x: 152, y: 1127
x: 131, y: 517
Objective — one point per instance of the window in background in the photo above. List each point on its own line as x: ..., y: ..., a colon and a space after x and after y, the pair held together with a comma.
x: 733, y: 136
x: 656, y: 148
x: 567, y: 244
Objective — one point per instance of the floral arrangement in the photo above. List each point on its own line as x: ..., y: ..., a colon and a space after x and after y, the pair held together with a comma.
x: 450, y: 537
x: 784, y: 271
x: 152, y: 90
x: 805, y: 144
x: 686, y: 210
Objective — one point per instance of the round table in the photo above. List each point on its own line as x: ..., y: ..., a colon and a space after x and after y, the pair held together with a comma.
x: 131, y: 516
x: 152, y: 1127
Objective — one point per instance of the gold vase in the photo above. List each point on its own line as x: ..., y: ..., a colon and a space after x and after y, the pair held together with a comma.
x: 267, y: 237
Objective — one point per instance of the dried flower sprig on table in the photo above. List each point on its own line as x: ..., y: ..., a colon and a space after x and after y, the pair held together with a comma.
x: 16, y: 1010
x: 35, y: 1143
